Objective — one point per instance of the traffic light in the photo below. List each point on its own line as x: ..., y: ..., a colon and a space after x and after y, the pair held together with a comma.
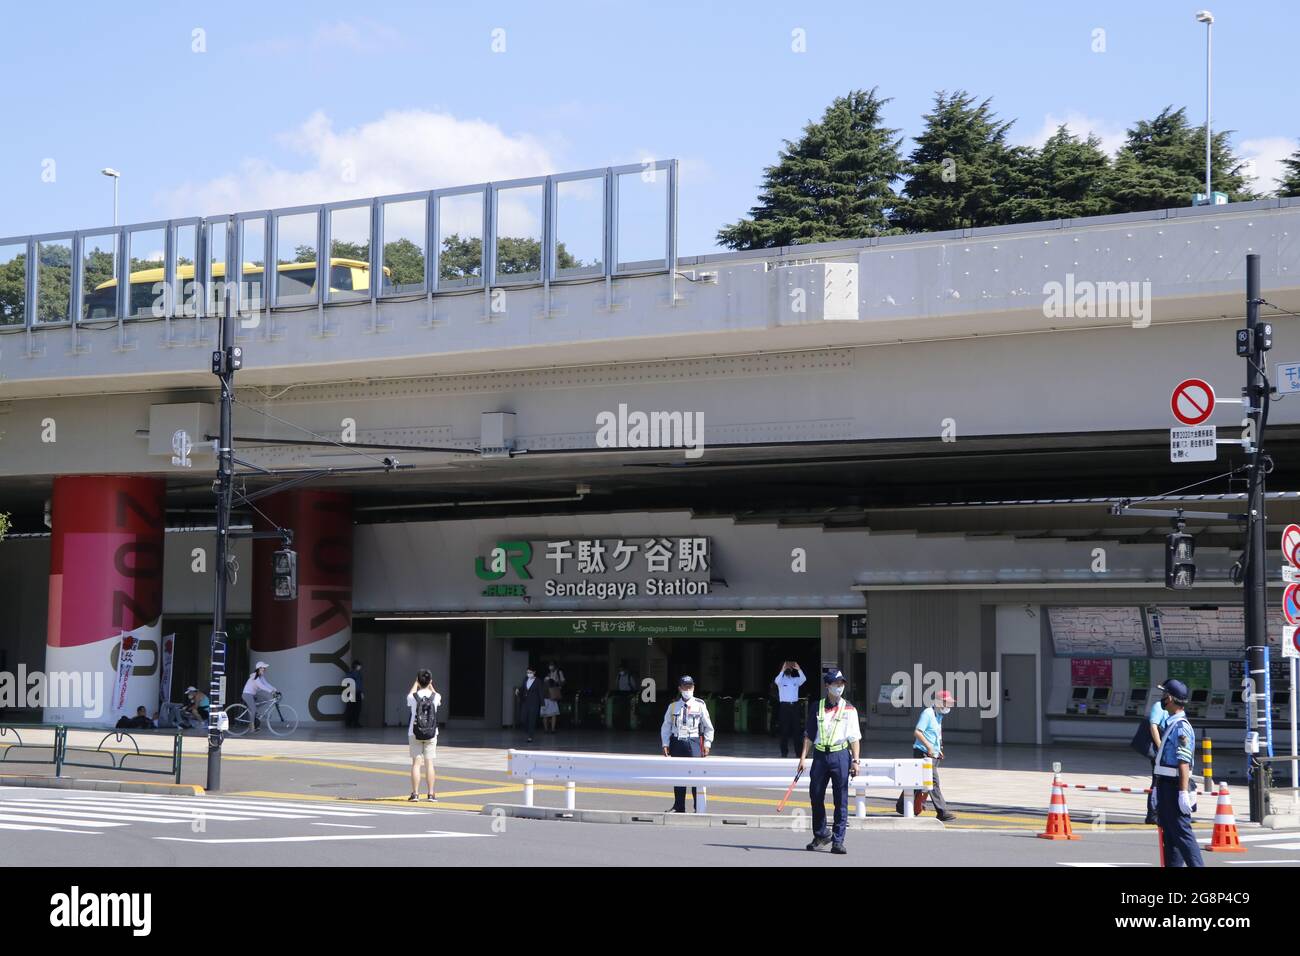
x: 284, y: 574
x: 1180, y: 568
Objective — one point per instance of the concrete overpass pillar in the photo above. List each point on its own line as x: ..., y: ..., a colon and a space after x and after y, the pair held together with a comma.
x: 307, y: 641
x: 106, y: 580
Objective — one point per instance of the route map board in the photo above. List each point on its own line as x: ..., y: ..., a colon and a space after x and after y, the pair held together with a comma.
x: 1186, y: 632
x: 1097, y: 631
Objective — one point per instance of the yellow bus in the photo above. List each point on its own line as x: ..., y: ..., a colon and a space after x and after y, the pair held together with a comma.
x: 294, y: 278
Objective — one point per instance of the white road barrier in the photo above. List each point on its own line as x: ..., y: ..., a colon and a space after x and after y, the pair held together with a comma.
x: 550, y: 766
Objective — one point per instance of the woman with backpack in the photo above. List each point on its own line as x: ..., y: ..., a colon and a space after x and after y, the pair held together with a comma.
x: 422, y: 734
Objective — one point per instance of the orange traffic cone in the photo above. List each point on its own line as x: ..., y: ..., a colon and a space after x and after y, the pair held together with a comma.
x: 1058, y: 817
x: 1225, y: 838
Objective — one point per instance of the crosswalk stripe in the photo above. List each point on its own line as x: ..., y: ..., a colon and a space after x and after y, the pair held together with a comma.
x: 20, y: 826
x: 23, y: 818
x: 188, y: 812
x: 267, y: 805
x: 326, y: 838
x: 112, y: 813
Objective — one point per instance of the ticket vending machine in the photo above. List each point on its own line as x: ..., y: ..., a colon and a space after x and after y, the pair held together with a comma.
x: 1099, y: 701
x: 1235, y: 707
x: 1196, y: 705
x: 1281, y: 705
x: 1136, y: 705
x: 1078, y: 702
x: 1217, y: 707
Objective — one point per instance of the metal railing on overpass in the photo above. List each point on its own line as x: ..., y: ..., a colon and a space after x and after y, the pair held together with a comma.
x: 577, y: 227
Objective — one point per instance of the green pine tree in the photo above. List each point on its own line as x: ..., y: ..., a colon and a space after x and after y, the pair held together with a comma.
x: 1062, y: 180
x: 1289, y: 184
x: 1162, y: 165
x: 834, y: 183
x: 962, y: 172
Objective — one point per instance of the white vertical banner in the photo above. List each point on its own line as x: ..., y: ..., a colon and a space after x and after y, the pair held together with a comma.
x: 165, y: 670
x: 125, y: 661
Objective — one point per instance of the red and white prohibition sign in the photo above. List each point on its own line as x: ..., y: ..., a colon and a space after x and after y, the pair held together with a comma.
x: 1192, y: 401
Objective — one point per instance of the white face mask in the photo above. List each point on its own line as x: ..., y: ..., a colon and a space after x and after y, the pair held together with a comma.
x: 531, y: 675
x: 835, y: 691
x: 687, y: 694
x: 944, y: 710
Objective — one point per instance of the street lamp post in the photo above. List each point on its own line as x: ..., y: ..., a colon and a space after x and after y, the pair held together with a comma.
x: 1206, y: 17
x: 114, y: 175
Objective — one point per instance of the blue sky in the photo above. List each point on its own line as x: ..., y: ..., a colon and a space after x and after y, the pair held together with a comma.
x: 297, y: 103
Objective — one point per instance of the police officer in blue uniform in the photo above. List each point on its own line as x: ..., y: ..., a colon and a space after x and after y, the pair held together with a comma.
x: 1175, y: 800
x: 832, y: 734
x: 686, y: 732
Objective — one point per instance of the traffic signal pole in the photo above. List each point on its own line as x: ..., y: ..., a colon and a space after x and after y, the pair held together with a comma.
x: 224, y: 363
x: 1254, y: 595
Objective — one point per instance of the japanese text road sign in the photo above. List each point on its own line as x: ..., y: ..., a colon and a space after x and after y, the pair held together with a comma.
x: 1193, y: 444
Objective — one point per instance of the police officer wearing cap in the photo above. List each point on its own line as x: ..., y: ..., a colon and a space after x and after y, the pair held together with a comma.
x: 832, y: 733
x: 686, y: 732
x: 1175, y: 800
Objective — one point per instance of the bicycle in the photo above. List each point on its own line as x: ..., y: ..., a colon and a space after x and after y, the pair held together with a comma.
x: 277, y: 717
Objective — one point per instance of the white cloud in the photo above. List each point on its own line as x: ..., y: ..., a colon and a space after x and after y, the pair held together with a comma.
x: 1112, y: 135
x: 1265, y: 156
x: 402, y: 151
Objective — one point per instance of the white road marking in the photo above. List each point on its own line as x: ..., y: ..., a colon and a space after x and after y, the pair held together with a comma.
x: 432, y: 834
x: 147, y: 815
x: 350, y: 826
x: 17, y: 826
x: 23, y: 818
x: 1278, y: 846
x: 1254, y: 862
x: 1090, y: 863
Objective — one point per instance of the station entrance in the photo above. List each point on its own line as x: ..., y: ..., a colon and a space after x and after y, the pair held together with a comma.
x: 620, y: 673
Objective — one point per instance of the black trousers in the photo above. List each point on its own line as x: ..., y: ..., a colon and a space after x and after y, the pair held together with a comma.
x: 832, y: 768
x: 530, y: 712
x: 352, y: 713
x: 684, y: 748
x: 790, y: 726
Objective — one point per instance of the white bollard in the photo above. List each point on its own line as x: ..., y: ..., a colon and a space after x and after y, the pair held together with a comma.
x: 861, y: 789
x: 570, y: 795
x: 702, y: 800
x: 528, y: 792
x: 908, y: 797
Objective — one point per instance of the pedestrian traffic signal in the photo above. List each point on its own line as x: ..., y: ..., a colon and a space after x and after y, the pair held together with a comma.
x: 284, y: 574
x: 1180, y: 566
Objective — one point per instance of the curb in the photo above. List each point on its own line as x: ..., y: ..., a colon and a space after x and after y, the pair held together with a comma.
x: 1275, y: 821
x: 696, y: 820
x: 110, y: 786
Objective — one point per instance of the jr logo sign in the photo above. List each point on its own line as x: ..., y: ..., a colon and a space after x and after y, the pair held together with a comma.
x: 506, y: 555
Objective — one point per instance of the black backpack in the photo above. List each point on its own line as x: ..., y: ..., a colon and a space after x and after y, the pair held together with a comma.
x: 426, y: 719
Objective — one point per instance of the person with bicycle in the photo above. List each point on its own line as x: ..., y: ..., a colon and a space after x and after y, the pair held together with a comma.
x: 257, y: 690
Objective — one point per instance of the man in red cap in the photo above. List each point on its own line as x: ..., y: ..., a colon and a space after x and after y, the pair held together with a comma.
x: 928, y: 742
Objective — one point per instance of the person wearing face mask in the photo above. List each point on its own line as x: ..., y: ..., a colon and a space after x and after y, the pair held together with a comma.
x: 529, y: 697
x: 928, y: 742
x: 686, y: 732
x: 789, y: 721
x: 1147, y: 741
x: 833, y: 734
x: 1175, y: 798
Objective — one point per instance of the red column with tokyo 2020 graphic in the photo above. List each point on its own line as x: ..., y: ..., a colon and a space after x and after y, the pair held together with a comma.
x: 106, y: 580
x: 308, y: 641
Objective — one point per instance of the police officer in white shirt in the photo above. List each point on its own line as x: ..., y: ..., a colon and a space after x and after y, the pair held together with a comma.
x: 832, y: 734
x: 789, y: 720
x: 686, y: 732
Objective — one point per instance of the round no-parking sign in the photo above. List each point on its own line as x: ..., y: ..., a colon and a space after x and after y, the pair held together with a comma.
x: 1290, y: 544
x: 1291, y: 604
x: 1192, y: 401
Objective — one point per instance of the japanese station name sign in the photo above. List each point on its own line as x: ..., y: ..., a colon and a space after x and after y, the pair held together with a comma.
x: 601, y: 569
